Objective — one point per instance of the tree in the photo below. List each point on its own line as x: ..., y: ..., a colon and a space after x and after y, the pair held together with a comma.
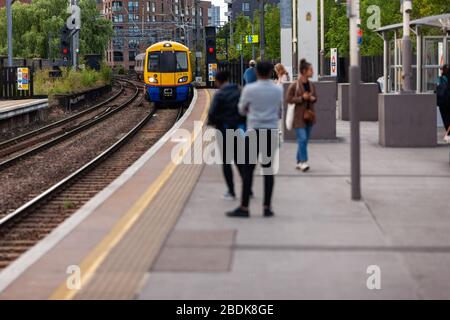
x: 337, y: 30
x: 36, y: 28
x: 242, y: 26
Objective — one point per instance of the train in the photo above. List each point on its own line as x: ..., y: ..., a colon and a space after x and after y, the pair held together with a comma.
x: 166, y: 70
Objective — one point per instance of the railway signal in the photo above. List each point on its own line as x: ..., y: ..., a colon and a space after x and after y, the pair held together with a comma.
x: 211, y: 54
x: 65, y: 37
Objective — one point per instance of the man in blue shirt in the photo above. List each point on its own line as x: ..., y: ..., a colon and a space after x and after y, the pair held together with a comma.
x: 250, y: 73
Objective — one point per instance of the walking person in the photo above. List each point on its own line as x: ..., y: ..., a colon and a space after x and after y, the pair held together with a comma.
x: 224, y: 115
x: 261, y: 103
x: 250, y: 73
x: 282, y: 74
x: 443, y: 99
x: 303, y: 94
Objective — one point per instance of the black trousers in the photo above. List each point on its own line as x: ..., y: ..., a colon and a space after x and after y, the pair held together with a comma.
x: 227, y: 158
x: 445, y: 114
x: 264, y: 144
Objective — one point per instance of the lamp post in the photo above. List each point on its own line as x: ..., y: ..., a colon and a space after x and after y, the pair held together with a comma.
x: 353, y: 11
x: 322, y: 38
x: 262, y: 40
x: 406, y: 6
x: 9, y: 31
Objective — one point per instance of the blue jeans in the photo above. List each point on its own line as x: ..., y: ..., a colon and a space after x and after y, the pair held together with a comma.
x: 303, y: 135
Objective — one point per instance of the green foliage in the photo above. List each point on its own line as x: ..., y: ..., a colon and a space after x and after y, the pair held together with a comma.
x: 242, y: 26
x: 36, y: 28
x: 71, y: 81
x: 337, y: 30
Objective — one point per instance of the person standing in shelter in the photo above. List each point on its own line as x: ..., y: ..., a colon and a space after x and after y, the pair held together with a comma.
x: 443, y: 99
x: 303, y: 94
x: 250, y: 73
x: 224, y: 115
x: 261, y: 103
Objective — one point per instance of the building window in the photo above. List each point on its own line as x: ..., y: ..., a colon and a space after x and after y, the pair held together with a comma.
x: 133, y: 17
x: 131, y: 55
x: 117, y: 18
x: 245, y: 6
x: 116, y: 5
x: 118, y: 56
x: 133, y: 6
x: 133, y: 44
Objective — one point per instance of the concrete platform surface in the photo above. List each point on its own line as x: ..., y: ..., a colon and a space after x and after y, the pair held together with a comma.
x: 321, y: 244
x: 11, y: 108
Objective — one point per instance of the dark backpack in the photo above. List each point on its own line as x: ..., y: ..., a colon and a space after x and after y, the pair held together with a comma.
x: 443, y: 93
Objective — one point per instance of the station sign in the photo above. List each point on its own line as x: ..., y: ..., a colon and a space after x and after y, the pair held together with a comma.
x: 212, y: 71
x: 333, y: 62
x: 23, y: 79
x: 251, y: 39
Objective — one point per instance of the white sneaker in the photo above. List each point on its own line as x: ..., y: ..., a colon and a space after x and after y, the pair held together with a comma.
x: 228, y: 197
x: 447, y: 138
x: 299, y: 166
x: 304, y: 167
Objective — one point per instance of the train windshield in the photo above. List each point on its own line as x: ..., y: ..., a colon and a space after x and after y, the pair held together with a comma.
x: 168, y: 61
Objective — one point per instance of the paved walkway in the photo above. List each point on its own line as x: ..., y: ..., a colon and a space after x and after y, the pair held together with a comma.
x: 321, y: 243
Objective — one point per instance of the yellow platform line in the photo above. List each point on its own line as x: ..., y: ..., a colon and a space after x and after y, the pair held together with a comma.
x: 95, y: 258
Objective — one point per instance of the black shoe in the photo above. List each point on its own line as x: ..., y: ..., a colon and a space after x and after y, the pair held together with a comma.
x: 268, y: 213
x: 238, y: 213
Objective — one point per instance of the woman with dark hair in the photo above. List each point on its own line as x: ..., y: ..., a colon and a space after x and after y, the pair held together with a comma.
x: 303, y: 94
x: 443, y: 99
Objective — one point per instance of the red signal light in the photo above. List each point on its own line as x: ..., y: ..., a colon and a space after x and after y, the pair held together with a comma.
x: 211, y: 50
x: 65, y: 51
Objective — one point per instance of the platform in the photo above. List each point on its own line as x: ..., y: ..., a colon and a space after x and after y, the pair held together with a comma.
x: 159, y: 231
x: 12, y: 108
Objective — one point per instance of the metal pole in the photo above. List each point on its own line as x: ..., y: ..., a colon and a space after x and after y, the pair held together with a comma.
x: 253, y: 45
x: 197, y: 39
x: 322, y: 38
x: 262, y: 31
x: 407, y: 47
x: 419, y: 60
x: 385, y: 62
x: 355, y: 78
x: 9, y: 32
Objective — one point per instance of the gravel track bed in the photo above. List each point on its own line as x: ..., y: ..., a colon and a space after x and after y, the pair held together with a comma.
x: 30, y: 177
x: 24, y: 233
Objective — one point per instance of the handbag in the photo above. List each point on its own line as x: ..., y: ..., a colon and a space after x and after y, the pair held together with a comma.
x: 309, y: 115
x: 290, y: 113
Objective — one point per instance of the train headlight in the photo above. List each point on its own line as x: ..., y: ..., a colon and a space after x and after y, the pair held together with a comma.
x: 152, y: 80
x: 183, y: 80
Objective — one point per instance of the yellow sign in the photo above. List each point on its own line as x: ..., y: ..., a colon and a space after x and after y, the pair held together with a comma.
x: 23, y: 79
x: 252, y: 39
x: 212, y: 71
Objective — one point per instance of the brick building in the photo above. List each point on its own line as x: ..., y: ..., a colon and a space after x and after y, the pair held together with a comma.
x: 140, y: 23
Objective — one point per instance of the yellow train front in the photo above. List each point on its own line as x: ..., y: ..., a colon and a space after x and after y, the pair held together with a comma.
x: 168, y: 73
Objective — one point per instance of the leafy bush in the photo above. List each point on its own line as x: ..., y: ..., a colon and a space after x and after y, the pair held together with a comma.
x: 71, y: 81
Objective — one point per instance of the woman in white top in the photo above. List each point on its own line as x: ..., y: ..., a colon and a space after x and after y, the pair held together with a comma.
x: 282, y: 74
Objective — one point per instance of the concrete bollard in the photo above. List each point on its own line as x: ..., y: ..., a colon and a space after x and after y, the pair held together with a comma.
x: 368, y: 97
x: 325, y: 129
x: 407, y: 120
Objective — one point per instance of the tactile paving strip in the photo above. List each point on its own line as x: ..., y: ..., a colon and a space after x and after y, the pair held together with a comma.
x: 122, y: 271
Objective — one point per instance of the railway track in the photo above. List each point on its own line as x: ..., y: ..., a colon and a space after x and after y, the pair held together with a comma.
x: 24, y: 227
x: 48, y: 136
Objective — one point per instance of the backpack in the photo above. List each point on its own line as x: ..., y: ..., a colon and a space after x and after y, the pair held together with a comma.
x: 443, y: 93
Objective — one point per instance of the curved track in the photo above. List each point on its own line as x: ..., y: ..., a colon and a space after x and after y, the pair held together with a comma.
x: 24, y: 227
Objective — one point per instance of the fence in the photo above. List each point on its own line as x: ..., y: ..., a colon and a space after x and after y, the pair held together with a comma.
x: 371, y: 68
x: 9, y: 84
x: 32, y: 63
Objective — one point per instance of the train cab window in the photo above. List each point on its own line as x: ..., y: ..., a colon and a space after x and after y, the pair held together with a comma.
x: 168, y: 61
